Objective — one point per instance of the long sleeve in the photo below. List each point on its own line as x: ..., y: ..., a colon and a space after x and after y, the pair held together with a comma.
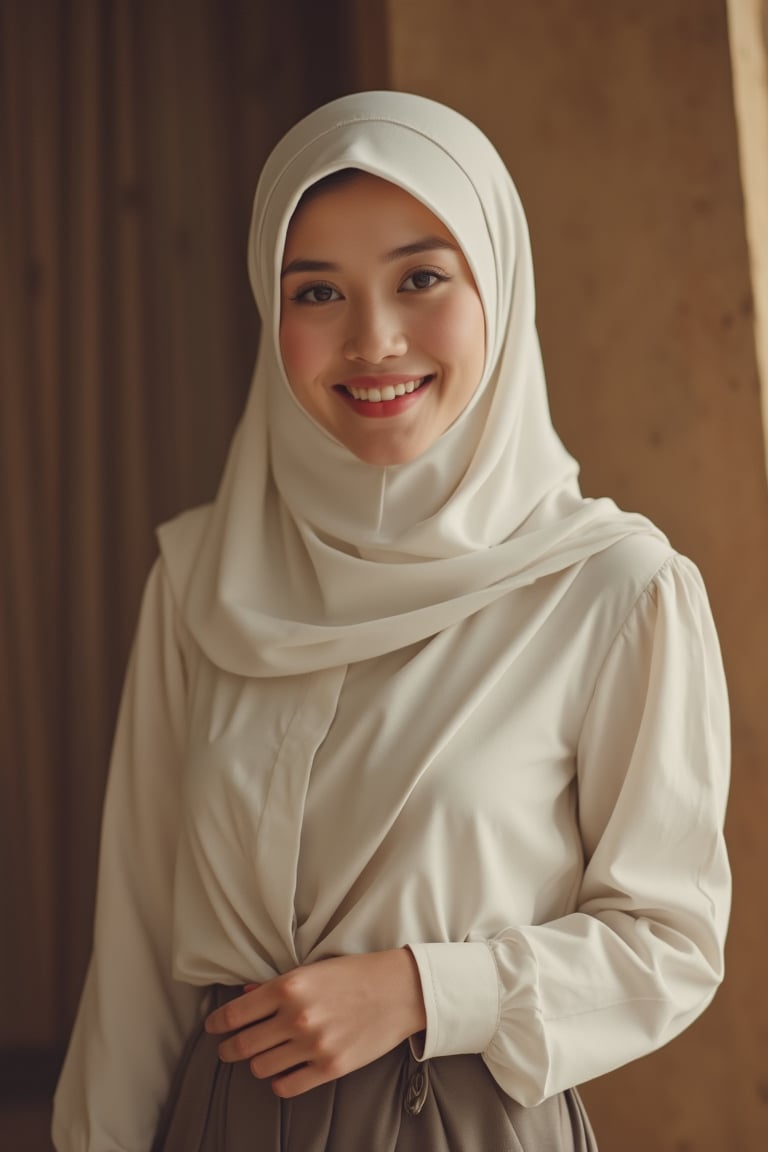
x: 133, y: 1017
x: 555, y: 1004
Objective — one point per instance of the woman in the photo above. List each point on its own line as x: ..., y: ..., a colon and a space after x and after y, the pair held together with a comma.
x: 414, y: 819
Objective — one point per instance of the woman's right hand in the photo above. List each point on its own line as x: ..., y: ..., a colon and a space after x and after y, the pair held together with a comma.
x: 323, y: 1020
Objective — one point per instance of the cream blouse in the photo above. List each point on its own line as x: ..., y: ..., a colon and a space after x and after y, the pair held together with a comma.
x: 547, y: 839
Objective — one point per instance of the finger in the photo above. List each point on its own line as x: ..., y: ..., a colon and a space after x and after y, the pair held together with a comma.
x: 254, y: 1004
x: 276, y: 1061
x: 301, y: 1079
x: 253, y: 1041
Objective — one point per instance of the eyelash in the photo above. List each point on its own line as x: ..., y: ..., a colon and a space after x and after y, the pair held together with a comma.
x: 439, y: 277
x: 302, y: 296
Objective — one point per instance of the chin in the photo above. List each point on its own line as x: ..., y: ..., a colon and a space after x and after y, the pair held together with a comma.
x: 387, y: 456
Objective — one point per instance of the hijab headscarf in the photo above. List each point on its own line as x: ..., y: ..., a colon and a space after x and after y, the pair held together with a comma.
x: 310, y: 558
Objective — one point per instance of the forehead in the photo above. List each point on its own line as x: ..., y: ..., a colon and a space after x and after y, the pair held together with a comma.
x: 335, y: 211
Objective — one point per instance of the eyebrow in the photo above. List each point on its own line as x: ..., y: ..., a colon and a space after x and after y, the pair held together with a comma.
x: 427, y: 244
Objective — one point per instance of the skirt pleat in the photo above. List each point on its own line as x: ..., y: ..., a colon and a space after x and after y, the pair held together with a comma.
x: 394, y: 1104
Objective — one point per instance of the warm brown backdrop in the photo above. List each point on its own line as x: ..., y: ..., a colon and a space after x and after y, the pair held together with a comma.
x: 131, y: 134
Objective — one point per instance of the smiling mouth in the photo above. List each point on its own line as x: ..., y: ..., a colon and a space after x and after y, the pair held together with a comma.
x: 386, y: 392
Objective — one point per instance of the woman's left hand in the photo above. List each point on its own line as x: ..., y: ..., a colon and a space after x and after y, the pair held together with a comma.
x: 323, y: 1020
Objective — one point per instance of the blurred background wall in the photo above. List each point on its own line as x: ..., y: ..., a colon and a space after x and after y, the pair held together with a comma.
x: 131, y: 136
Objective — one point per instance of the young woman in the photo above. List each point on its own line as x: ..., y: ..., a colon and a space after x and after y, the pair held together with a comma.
x: 414, y: 820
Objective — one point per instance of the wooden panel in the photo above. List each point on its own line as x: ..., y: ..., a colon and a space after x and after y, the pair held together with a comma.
x: 132, y: 136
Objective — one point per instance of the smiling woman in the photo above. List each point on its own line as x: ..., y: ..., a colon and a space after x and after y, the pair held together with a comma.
x: 426, y: 754
x: 387, y: 349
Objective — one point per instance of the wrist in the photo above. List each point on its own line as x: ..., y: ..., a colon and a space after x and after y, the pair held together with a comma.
x: 412, y: 997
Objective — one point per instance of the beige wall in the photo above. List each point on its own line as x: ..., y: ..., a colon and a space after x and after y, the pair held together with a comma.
x: 616, y: 119
x: 748, y: 34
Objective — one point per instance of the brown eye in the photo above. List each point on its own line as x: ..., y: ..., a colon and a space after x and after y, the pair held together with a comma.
x: 317, y: 294
x: 421, y: 279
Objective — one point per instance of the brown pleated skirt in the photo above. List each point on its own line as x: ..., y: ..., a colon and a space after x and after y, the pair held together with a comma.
x: 395, y: 1104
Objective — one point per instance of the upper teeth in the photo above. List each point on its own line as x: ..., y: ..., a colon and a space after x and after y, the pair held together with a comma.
x: 388, y: 392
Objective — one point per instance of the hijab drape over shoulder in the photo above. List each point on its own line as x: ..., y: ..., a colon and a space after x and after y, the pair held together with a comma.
x: 310, y: 558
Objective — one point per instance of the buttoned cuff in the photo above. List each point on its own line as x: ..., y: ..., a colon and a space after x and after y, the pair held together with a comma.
x: 460, y: 986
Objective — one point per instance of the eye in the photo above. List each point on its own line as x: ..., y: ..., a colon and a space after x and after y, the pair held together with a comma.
x: 422, y: 279
x: 316, y: 294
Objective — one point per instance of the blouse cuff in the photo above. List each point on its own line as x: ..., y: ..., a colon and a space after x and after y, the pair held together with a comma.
x: 460, y: 986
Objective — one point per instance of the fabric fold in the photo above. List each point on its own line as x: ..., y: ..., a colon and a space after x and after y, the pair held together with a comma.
x: 310, y: 558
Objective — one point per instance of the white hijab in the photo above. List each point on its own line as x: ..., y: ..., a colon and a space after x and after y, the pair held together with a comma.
x: 311, y: 558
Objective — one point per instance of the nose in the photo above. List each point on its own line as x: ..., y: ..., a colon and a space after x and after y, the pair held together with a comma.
x: 375, y: 332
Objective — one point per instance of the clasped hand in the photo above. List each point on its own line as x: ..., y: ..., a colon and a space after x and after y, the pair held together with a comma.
x: 323, y: 1020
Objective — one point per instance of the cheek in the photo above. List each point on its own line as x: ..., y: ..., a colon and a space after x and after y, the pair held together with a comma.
x: 457, y: 334
x: 302, y: 350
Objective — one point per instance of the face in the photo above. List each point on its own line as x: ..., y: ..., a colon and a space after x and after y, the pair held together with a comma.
x: 382, y: 331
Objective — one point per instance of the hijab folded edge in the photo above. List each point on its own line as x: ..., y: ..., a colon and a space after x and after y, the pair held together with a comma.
x: 309, y: 558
